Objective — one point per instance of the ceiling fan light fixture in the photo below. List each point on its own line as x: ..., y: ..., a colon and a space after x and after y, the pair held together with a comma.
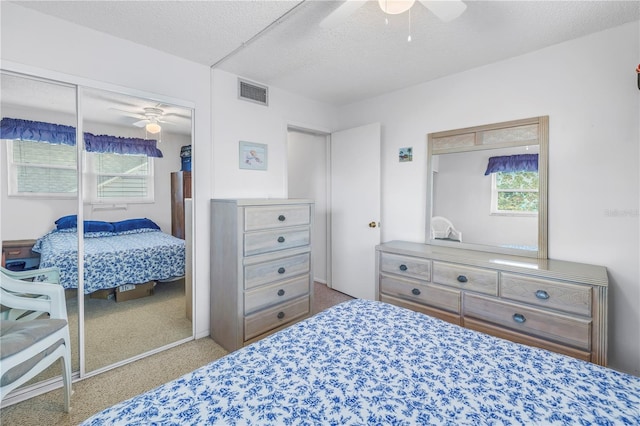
x: 395, y: 7
x: 153, y: 128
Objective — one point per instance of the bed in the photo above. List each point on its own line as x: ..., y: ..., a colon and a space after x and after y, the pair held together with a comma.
x: 364, y: 362
x: 133, y: 251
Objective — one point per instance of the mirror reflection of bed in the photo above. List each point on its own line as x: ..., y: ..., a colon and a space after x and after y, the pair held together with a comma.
x: 114, y: 330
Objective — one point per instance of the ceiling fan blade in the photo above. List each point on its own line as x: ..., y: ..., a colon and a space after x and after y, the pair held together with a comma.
x: 128, y: 113
x: 141, y: 123
x: 446, y: 10
x: 341, y: 13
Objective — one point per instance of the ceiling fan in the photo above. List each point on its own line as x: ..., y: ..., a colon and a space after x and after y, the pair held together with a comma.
x: 150, y: 118
x: 445, y: 10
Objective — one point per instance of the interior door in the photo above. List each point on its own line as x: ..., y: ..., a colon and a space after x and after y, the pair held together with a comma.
x: 355, y: 209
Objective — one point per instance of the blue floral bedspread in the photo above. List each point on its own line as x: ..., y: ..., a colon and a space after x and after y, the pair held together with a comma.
x: 366, y: 363
x: 113, y: 259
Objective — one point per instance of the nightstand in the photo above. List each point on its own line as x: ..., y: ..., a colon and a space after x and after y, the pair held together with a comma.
x: 18, y: 255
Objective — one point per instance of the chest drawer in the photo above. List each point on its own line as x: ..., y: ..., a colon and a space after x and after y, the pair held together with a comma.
x: 273, y: 270
x: 268, y: 319
x: 551, y: 294
x: 466, y: 277
x: 414, y: 267
x: 277, y: 239
x: 439, y: 297
x: 276, y: 293
x: 564, y: 329
x: 266, y: 217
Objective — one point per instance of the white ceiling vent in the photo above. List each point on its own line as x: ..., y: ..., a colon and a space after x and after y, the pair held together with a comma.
x: 253, y: 92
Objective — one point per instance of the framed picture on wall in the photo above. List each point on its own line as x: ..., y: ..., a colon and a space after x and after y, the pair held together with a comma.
x: 253, y: 156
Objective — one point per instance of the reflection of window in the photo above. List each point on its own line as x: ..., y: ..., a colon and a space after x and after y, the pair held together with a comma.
x: 41, y: 169
x: 44, y: 169
x: 514, y: 193
x: 120, y: 177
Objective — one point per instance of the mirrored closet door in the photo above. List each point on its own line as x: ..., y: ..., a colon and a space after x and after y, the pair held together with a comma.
x: 39, y: 176
x: 134, y: 295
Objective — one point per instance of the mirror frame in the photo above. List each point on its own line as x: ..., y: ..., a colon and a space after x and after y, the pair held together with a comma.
x: 472, y: 139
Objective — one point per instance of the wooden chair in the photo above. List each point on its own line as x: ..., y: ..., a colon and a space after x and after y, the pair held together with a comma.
x: 30, y: 339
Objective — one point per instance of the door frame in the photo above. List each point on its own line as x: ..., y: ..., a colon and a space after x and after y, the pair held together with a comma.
x: 327, y: 143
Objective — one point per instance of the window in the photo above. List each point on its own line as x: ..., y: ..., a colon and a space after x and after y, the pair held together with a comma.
x: 41, y: 169
x: 120, y: 177
x: 514, y: 193
x: 44, y: 169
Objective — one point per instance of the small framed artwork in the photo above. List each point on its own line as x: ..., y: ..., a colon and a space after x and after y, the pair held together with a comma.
x: 405, y: 154
x: 253, y: 156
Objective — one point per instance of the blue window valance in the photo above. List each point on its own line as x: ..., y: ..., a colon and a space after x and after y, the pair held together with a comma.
x: 118, y: 145
x: 26, y: 130
x: 14, y: 128
x: 512, y: 163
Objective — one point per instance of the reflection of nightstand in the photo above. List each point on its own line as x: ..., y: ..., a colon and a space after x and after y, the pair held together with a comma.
x: 18, y: 255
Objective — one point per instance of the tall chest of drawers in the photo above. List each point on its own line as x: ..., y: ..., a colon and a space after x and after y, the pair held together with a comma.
x: 261, y: 268
x: 556, y: 305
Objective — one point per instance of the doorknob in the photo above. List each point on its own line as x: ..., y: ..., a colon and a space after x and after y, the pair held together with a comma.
x: 372, y: 225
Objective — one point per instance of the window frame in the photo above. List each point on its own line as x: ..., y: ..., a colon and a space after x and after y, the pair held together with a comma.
x: 494, y: 211
x: 90, y: 179
x: 12, y: 175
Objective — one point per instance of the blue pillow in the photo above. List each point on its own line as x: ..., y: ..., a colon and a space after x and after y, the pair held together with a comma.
x: 132, y: 224
x: 97, y: 226
x: 68, y: 222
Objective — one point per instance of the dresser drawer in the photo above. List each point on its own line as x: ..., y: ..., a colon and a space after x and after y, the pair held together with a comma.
x: 276, y: 293
x: 271, y: 318
x: 439, y: 297
x: 278, y: 239
x: 414, y: 267
x: 550, y: 294
x: 19, y: 249
x: 266, y: 272
x: 561, y: 328
x: 266, y: 217
x: 466, y: 277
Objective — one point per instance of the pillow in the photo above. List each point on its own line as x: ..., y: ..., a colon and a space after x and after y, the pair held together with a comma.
x: 132, y: 224
x: 97, y: 226
x: 68, y: 222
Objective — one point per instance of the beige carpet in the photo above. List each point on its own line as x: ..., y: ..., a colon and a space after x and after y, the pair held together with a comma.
x: 99, y: 392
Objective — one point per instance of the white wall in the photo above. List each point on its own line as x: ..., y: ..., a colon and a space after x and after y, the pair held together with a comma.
x: 588, y: 89
x: 236, y: 120
x: 44, y: 45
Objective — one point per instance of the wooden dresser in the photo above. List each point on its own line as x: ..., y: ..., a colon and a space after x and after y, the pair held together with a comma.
x: 261, y: 270
x: 180, y: 189
x: 555, y: 305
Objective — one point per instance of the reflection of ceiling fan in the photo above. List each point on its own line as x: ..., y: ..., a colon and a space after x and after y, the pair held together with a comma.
x: 150, y: 119
x: 446, y: 10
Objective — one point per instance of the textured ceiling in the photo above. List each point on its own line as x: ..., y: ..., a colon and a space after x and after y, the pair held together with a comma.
x: 358, y: 59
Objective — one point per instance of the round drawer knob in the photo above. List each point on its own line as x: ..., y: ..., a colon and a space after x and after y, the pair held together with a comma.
x: 281, y: 239
x: 462, y: 279
x: 281, y: 292
x: 281, y: 270
x: 280, y: 315
x: 403, y: 267
x: 542, y: 295
x: 416, y: 291
x: 282, y: 218
x: 519, y: 318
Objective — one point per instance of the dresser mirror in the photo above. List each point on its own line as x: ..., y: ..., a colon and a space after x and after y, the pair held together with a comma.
x: 487, y: 187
